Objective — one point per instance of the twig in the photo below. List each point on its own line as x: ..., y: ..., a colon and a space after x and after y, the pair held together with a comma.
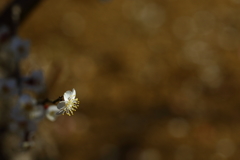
x: 49, y: 101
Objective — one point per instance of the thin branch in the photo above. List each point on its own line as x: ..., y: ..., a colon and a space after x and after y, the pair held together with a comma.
x: 49, y: 101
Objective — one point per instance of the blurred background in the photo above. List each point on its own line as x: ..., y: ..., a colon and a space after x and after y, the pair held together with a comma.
x: 157, y: 79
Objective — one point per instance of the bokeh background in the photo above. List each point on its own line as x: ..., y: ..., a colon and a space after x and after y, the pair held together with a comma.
x: 157, y: 79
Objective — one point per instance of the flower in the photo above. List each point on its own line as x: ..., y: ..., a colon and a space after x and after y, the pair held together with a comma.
x: 34, y: 82
x: 27, y: 109
x: 51, y: 112
x: 19, y: 47
x: 69, y: 104
x: 8, y: 87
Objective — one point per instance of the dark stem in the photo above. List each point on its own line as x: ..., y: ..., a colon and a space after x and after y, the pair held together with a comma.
x: 49, y: 101
x: 57, y: 100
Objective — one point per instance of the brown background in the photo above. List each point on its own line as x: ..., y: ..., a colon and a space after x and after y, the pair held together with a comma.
x: 157, y: 80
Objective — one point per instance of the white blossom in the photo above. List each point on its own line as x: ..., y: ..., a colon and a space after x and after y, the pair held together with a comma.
x: 27, y: 108
x: 8, y: 87
x: 19, y: 47
x: 69, y: 104
x: 34, y: 82
x: 51, y: 112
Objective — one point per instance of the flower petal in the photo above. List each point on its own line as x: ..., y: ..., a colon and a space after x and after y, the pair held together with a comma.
x: 19, y: 47
x: 52, y: 108
x: 73, y: 93
x: 59, y: 112
x: 51, y: 112
x: 11, y: 83
x: 67, y: 95
x: 61, y: 104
